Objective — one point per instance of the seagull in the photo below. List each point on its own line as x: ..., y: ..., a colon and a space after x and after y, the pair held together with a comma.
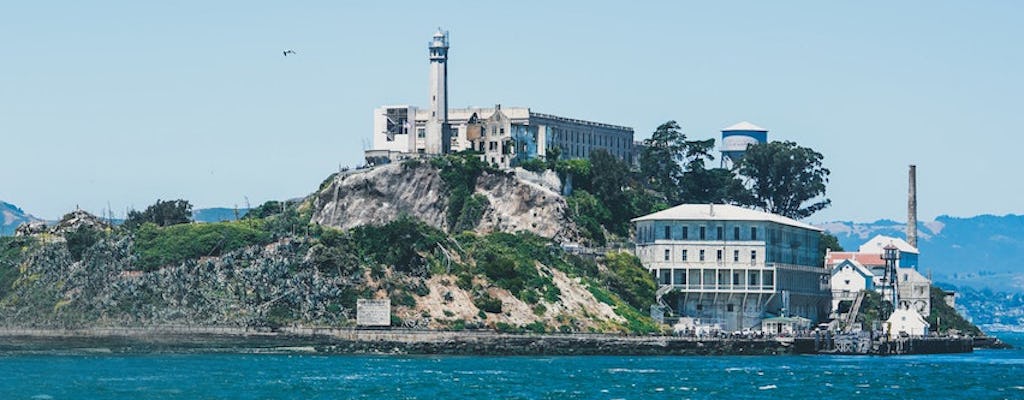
x: 289, y: 51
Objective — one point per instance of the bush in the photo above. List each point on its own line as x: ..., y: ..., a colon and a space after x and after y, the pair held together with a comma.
x: 81, y: 239
x: 628, y: 278
x: 162, y: 213
x: 156, y: 246
x: 486, y: 303
x: 534, y: 164
x: 401, y: 243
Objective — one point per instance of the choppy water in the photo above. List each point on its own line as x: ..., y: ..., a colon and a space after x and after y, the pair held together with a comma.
x: 986, y: 374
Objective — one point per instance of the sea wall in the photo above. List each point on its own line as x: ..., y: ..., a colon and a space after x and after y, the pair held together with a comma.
x: 354, y: 341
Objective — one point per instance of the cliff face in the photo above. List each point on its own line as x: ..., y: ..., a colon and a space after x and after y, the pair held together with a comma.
x: 382, y: 194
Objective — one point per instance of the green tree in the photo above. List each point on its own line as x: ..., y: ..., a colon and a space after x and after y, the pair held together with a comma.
x: 162, y: 213
x: 785, y: 178
x: 660, y: 159
x: 829, y: 242
x: 551, y: 157
x: 609, y: 180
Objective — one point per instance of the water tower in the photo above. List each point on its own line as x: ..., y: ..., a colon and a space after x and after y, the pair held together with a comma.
x: 736, y: 138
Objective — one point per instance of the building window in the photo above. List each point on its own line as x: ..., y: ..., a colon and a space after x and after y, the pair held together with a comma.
x: 729, y: 307
x: 684, y: 254
x: 718, y: 255
x: 702, y: 254
x: 703, y: 231
x: 753, y: 279
x: 501, y: 131
x: 666, y: 255
x: 686, y: 232
x: 421, y: 133
x: 753, y: 233
x: 753, y: 256
x: 736, y: 233
x: 735, y: 256
x: 700, y: 307
x: 735, y: 280
x: 720, y: 233
x: 668, y: 232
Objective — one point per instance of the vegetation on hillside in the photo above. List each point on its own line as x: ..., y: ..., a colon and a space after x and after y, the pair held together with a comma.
x: 943, y: 317
x: 161, y: 213
x: 460, y: 172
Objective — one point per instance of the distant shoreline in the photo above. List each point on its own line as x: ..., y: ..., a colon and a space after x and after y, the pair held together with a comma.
x: 357, y: 341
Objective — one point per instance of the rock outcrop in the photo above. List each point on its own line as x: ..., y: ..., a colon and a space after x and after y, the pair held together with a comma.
x: 380, y: 195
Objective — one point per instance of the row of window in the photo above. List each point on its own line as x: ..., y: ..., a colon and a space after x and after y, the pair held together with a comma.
x: 719, y: 255
x: 702, y: 233
x: 738, y: 278
x: 587, y: 138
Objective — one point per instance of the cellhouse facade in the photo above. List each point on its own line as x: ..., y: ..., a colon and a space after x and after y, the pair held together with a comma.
x: 505, y: 135
x: 734, y: 267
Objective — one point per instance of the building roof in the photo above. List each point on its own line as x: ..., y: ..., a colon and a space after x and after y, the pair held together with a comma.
x: 745, y: 126
x: 721, y: 212
x: 857, y: 267
x: 865, y: 259
x: 877, y: 245
x: 911, y: 275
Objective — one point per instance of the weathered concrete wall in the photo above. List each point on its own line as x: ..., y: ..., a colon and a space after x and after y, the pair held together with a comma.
x: 349, y: 341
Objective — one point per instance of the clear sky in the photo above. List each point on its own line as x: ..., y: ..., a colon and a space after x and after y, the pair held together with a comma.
x: 127, y: 102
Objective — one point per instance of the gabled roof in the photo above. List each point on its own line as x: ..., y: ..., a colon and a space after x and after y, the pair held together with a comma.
x: 721, y: 212
x: 878, y: 243
x: 745, y: 126
x: 865, y: 259
x: 912, y: 275
x: 857, y: 267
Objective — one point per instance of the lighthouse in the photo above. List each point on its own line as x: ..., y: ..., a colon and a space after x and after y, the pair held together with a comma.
x: 438, y: 133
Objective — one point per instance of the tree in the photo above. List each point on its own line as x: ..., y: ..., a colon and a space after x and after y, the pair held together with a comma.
x: 609, y: 178
x: 829, y: 242
x: 783, y: 177
x: 162, y: 213
x: 659, y: 160
x: 551, y: 156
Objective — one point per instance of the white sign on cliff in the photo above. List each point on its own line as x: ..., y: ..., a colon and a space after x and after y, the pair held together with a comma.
x: 371, y: 312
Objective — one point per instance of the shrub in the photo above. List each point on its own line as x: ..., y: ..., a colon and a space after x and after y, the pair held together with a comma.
x: 162, y: 213
x: 80, y: 240
x: 486, y: 303
x: 156, y: 246
x: 628, y: 278
x: 534, y: 164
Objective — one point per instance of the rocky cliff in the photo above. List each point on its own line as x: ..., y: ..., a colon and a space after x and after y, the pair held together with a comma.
x: 380, y: 195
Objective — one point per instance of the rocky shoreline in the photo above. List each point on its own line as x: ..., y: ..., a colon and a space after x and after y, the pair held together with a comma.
x: 350, y: 341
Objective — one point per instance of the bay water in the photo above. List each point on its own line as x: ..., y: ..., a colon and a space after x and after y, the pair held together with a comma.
x: 984, y: 374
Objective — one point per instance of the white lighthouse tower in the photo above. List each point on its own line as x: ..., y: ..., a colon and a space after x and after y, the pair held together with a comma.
x: 438, y: 133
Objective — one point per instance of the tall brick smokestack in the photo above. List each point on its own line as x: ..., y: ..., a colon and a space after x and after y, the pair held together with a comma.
x: 912, y: 207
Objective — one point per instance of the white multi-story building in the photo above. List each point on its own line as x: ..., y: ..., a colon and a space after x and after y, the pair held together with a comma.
x: 732, y: 266
x: 505, y: 136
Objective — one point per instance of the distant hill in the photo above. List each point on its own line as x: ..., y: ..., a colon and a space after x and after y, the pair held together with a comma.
x: 979, y: 252
x: 11, y: 216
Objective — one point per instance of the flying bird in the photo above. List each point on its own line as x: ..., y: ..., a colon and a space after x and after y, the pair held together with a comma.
x: 289, y: 51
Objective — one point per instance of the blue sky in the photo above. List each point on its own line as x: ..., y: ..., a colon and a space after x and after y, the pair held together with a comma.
x: 127, y: 102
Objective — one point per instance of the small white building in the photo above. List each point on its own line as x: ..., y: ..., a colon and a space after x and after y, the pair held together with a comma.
x: 913, y: 287
x: 849, y: 278
x: 904, y: 320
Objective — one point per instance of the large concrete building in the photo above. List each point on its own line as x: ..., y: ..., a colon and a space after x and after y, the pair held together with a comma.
x: 505, y: 135
x: 734, y: 267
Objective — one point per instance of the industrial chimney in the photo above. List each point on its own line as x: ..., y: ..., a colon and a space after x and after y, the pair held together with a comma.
x: 912, y: 207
